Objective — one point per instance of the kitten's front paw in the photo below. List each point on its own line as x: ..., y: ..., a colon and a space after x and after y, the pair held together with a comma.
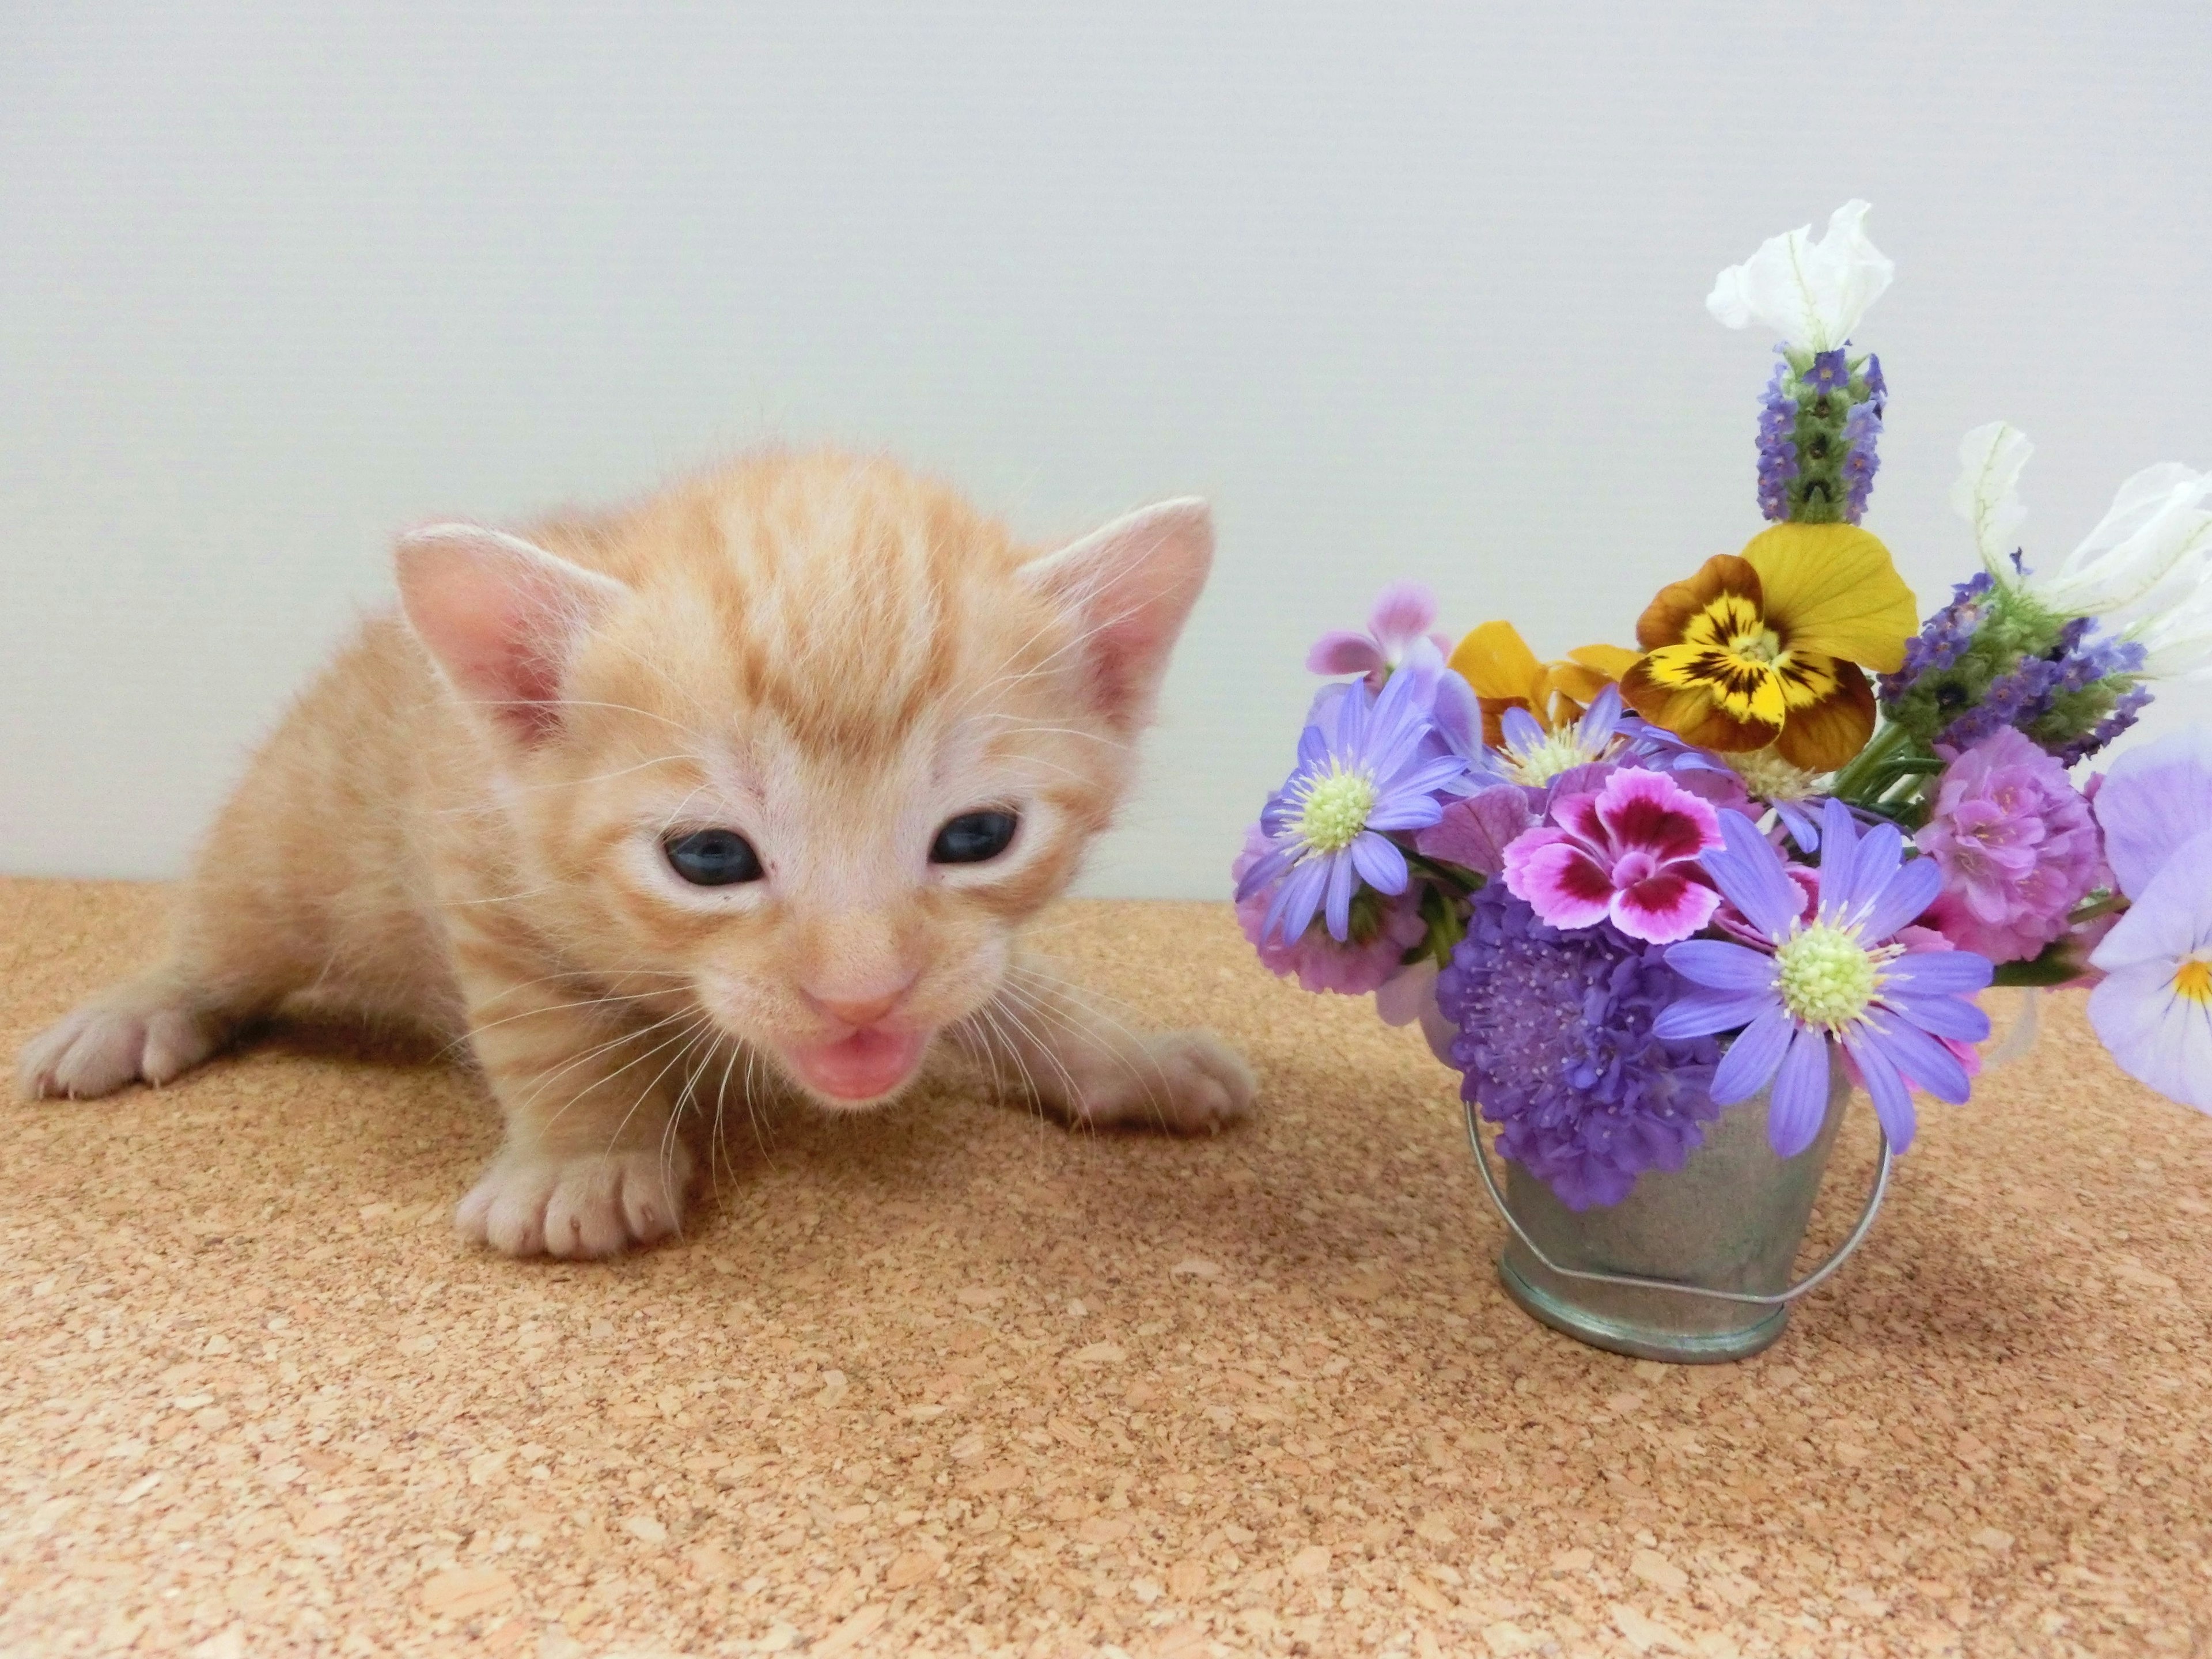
x: 592, y: 1205
x: 1187, y: 1083
x: 145, y: 1029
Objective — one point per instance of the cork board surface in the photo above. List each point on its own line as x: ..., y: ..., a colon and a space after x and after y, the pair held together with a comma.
x: 947, y: 1380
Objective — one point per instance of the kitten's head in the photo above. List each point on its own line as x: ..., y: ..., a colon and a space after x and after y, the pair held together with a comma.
x: 798, y: 746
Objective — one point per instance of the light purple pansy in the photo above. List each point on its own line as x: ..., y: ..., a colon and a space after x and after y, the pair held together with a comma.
x: 2152, y: 801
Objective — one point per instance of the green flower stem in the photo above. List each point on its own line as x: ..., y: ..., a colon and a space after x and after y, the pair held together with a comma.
x: 1462, y: 881
x: 1854, y: 783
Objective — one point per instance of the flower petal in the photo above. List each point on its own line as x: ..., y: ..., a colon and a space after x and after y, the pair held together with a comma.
x: 1279, y: 857
x: 1937, y: 973
x: 1925, y: 1062
x: 1497, y: 663
x: 1663, y: 909
x: 1340, y: 653
x: 1457, y: 716
x: 1293, y: 912
x: 1799, y: 1104
x: 1558, y: 880
x: 1752, y: 1058
x: 1906, y: 897
x: 1892, y: 1102
x: 1701, y: 1013
x: 1402, y: 613
x: 1337, y: 906
x: 1945, y: 1016
x: 1520, y: 730
x: 2173, y: 916
x: 1825, y: 735
x: 1380, y: 865
x: 1475, y: 832
x: 2153, y: 799
x: 1650, y: 812
x: 1987, y: 494
x: 1751, y: 875
x: 1832, y: 588
x: 1722, y: 966
x: 2157, y: 1037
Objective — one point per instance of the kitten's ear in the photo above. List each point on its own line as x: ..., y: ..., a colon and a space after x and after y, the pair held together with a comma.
x: 1132, y: 586
x: 501, y: 616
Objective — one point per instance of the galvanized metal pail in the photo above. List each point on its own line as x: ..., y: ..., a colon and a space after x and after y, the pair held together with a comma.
x: 1694, y: 1266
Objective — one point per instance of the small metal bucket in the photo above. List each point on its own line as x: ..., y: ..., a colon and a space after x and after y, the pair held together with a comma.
x: 1694, y: 1266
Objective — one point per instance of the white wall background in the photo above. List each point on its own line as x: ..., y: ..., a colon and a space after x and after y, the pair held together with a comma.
x: 1406, y: 290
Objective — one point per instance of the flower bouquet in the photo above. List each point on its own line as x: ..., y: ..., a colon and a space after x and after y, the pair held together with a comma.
x: 1664, y: 908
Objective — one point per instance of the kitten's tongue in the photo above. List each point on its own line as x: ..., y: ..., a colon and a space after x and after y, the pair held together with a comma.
x: 862, y: 1066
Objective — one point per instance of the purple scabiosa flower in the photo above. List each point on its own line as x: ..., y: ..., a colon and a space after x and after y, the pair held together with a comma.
x: 1383, y: 928
x: 1369, y: 763
x: 1403, y: 613
x: 1842, y: 980
x: 2017, y: 845
x: 1555, y: 1040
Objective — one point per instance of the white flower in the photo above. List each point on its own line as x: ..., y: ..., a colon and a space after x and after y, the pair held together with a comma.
x: 2152, y: 552
x: 1812, y: 294
x: 2176, y: 642
x: 2155, y: 528
x: 1987, y: 495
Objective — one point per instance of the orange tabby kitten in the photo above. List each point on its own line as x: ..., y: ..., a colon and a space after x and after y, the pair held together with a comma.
x: 777, y: 763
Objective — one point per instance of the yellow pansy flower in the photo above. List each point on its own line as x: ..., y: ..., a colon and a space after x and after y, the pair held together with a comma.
x: 1769, y: 647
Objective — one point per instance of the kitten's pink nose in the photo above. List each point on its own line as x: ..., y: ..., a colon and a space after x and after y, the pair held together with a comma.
x: 857, y: 1012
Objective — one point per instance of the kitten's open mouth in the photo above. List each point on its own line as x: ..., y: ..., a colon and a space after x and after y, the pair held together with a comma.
x: 865, y: 1066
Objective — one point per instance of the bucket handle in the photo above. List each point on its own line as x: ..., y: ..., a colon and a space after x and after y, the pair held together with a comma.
x: 1781, y: 1298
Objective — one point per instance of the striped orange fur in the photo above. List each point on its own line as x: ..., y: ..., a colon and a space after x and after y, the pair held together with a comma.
x: 465, y: 824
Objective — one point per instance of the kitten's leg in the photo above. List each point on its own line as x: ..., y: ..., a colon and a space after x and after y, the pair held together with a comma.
x: 1095, y: 1071
x: 150, y: 1028
x: 592, y: 1162
x: 233, y: 956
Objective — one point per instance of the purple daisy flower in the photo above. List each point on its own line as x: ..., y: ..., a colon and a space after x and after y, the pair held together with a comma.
x: 1555, y: 1040
x: 1841, y: 979
x: 1368, y: 764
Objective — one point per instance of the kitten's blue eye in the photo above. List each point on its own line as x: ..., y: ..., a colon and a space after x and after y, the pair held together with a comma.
x: 714, y: 858
x: 974, y: 838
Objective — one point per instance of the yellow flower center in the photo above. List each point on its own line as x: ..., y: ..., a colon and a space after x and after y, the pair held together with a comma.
x: 2193, y: 979
x: 1561, y: 751
x: 1827, y: 977
x: 1770, y: 777
x: 1335, y: 810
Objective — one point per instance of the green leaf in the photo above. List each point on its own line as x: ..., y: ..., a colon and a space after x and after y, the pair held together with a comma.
x: 2056, y: 966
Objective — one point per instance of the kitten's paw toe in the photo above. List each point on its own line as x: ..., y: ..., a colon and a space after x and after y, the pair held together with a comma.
x: 1187, y: 1083
x: 593, y: 1205
x: 141, y: 1031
